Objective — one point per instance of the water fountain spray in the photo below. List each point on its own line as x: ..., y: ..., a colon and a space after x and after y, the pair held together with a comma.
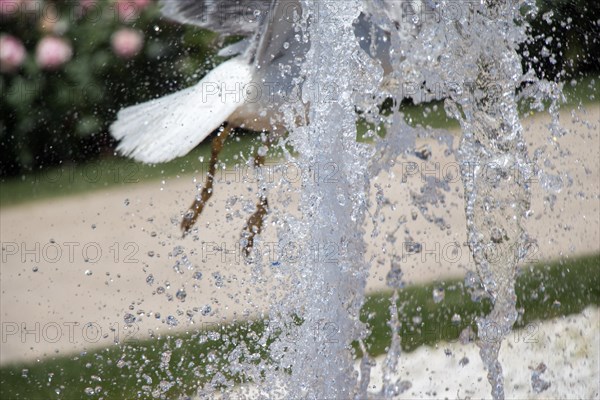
x: 353, y: 54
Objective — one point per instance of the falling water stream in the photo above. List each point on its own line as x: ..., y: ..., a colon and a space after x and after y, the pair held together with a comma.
x: 477, y: 54
x: 495, y: 172
x: 330, y: 290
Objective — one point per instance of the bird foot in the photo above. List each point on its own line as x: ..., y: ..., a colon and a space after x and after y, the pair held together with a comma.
x: 254, y: 225
x: 189, y: 219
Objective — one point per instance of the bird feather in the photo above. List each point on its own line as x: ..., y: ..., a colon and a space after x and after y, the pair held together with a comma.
x: 226, y: 17
x: 169, y: 127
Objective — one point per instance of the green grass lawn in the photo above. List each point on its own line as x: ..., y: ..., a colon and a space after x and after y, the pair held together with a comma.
x: 123, y: 371
x: 114, y: 171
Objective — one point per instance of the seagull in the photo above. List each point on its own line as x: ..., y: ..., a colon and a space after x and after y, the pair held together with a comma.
x: 243, y: 92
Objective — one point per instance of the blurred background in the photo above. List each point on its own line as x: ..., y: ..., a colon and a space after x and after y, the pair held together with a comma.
x: 67, y: 67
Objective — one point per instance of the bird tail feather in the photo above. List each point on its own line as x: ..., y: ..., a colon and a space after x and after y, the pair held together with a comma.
x: 171, y: 126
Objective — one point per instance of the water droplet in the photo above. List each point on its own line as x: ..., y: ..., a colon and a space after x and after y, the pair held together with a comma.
x: 197, y: 275
x: 551, y: 183
x: 424, y: 153
x: 400, y: 387
x: 147, y: 378
x: 394, y: 277
x: 497, y: 234
x: 181, y: 295
x: 537, y: 383
x: 93, y: 226
x: 456, y: 319
x: 172, y: 321
x: 413, y: 247
x: 286, y: 45
x: 129, y: 318
x: 126, y: 202
x: 150, y: 253
x: 467, y: 335
x: 231, y: 201
x: 150, y: 279
x: 218, y: 279
x: 35, y: 269
x: 438, y: 295
x: 88, y: 272
x: 165, y: 357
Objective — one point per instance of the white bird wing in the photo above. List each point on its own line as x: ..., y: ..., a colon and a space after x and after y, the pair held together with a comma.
x: 235, y: 48
x: 169, y: 127
x: 226, y: 17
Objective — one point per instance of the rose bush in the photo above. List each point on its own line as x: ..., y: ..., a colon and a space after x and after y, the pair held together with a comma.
x: 67, y: 67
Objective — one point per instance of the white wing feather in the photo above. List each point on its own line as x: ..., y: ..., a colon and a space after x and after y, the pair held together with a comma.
x: 169, y: 127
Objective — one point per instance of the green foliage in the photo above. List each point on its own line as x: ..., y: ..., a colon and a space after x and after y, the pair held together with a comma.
x: 565, y: 39
x: 61, y: 115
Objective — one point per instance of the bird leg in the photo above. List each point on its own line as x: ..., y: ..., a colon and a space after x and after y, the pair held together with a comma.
x: 190, y: 217
x: 254, y: 224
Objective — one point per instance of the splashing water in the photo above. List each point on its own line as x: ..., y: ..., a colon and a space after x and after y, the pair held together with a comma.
x: 478, y: 53
x: 495, y: 165
x: 329, y: 288
x: 474, y: 59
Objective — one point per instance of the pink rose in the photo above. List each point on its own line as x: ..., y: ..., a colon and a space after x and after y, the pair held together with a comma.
x: 141, y: 4
x: 129, y: 10
x: 85, y: 5
x: 9, y: 7
x: 12, y: 53
x: 127, y: 43
x: 52, y: 52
